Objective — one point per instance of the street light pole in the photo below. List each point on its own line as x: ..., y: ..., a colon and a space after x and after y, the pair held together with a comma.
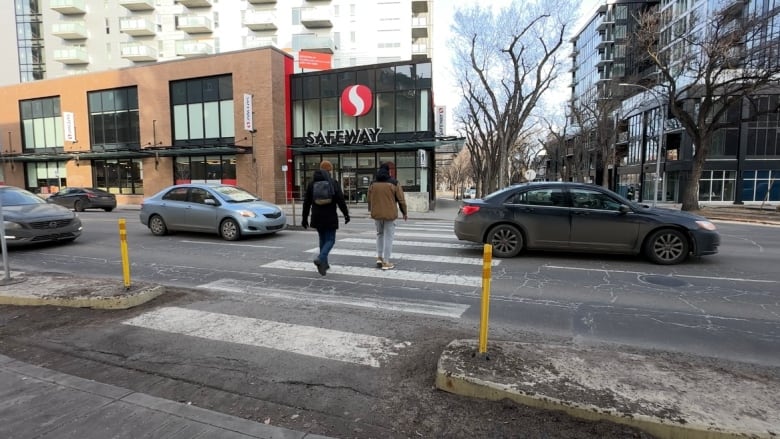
x: 662, y: 109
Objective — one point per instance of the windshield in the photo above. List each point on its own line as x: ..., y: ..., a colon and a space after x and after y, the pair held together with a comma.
x: 233, y: 194
x: 17, y: 197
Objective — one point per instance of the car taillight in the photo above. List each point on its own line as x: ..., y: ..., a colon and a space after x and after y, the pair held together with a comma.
x: 469, y: 209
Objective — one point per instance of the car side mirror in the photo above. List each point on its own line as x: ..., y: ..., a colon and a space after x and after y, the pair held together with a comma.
x: 210, y: 202
x: 624, y: 208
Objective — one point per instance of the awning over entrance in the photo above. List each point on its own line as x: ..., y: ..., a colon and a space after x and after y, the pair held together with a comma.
x: 131, y: 154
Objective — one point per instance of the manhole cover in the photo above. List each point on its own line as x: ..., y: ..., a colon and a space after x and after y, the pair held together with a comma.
x: 666, y: 281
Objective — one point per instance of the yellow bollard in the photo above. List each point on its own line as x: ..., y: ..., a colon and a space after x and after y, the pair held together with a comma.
x: 487, y: 263
x: 123, y: 247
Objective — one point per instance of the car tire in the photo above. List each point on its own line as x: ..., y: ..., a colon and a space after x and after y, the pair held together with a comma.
x: 157, y: 225
x: 507, y: 241
x: 78, y: 206
x: 108, y: 209
x: 229, y: 230
x: 667, y: 247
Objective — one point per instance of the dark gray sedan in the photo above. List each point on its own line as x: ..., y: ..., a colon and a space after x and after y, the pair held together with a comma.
x: 582, y: 217
x: 81, y: 198
x: 228, y: 211
x: 28, y: 219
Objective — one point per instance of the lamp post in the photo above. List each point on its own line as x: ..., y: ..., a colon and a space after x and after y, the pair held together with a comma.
x: 662, y: 109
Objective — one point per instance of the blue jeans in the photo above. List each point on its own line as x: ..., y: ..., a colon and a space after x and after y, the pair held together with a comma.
x: 327, y: 239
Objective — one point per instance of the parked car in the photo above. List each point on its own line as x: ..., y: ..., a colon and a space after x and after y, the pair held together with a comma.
x: 226, y: 210
x: 29, y: 219
x: 582, y: 217
x: 470, y: 193
x: 80, y: 198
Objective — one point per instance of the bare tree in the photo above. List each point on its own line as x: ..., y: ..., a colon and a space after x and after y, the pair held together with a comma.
x: 706, y: 66
x: 504, y: 64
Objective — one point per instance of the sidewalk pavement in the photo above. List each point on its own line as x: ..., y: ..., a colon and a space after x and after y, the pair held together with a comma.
x: 659, y: 393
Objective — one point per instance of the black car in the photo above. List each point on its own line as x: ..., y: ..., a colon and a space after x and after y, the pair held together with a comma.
x: 80, y: 198
x: 582, y: 217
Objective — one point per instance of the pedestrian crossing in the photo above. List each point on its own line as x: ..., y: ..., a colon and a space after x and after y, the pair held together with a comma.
x: 428, y: 254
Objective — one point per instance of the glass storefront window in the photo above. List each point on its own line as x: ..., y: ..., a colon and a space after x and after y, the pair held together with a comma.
x: 367, y: 161
x: 46, y: 177
x: 311, y: 115
x: 330, y: 114
x: 385, y: 103
x: 404, y: 102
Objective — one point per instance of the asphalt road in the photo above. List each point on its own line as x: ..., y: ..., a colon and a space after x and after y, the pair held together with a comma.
x: 226, y: 337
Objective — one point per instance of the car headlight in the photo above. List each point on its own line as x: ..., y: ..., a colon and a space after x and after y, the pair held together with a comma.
x: 706, y: 225
x: 10, y: 225
x: 247, y: 213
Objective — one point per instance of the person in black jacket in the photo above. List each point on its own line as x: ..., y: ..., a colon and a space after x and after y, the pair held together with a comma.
x: 324, y: 217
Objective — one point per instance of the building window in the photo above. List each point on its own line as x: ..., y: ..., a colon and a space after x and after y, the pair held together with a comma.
x: 761, y: 185
x: 203, y: 110
x: 45, y: 177
x: 205, y: 169
x: 118, y: 176
x: 717, y: 185
x: 113, y: 119
x: 42, y: 125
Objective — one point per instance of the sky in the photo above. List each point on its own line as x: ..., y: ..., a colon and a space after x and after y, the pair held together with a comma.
x: 446, y: 92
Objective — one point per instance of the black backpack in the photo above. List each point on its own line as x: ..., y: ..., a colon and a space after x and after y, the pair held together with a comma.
x: 322, y: 192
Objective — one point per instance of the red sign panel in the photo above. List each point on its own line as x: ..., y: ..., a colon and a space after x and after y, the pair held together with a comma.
x: 314, y: 60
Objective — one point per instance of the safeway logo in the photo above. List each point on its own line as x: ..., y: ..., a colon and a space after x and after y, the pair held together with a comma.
x: 356, y: 100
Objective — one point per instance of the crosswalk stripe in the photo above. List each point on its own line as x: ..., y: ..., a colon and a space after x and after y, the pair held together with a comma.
x: 419, y: 235
x: 395, y: 274
x: 438, y: 309
x: 412, y: 243
x: 312, y: 341
x: 410, y: 257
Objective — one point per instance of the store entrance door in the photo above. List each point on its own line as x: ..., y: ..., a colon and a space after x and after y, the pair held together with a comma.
x: 364, y: 179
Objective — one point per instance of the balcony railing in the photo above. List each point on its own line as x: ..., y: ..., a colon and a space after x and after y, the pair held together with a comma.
x: 262, y: 2
x: 193, y: 48
x: 419, y: 27
x: 195, y: 24
x: 138, y: 52
x: 313, y: 44
x: 71, y: 55
x: 137, y: 27
x: 68, y: 7
x: 137, y: 5
x: 74, y: 30
x: 260, y: 21
x: 316, y: 18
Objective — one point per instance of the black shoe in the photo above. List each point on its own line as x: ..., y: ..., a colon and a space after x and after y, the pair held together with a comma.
x: 321, y: 268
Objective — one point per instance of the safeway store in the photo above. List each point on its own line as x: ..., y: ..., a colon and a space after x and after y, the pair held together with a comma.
x: 238, y: 118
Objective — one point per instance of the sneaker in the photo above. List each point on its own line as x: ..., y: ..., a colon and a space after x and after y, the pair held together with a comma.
x: 387, y: 266
x: 321, y: 268
x: 379, y: 262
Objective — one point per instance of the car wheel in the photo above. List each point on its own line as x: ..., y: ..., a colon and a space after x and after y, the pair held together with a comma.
x: 78, y: 206
x: 667, y: 247
x: 507, y: 241
x: 157, y: 226
x: 229, y: 230
x: 108, y: 209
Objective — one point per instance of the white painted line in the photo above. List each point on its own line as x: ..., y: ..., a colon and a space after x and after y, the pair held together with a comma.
x: 409, y: 257
x: 312, y: 341
x: 413, y: 243
x: 419, y: 235
x: 225, y: 243
x: 375, y: 273
x: 736, y: 279
x: 438, y: 309
x: 441, y: 227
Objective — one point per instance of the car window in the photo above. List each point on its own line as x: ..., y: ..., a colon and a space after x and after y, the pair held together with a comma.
x: 19, y: 198
x: 176, y: 194
x: 233, y: 194
x: 592, y: 199
x: 539, y: 197
x: 198, y: 195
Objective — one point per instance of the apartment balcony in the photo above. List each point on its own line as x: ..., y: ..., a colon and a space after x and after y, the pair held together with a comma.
x: 604, y: 59
x: 137, y: 27
x: 262, y: 2
x: 260, y: 42
x: 189, y: 48
x: 419, y: 6
x: 316, y: 18
x: 195, y: 3
x: 318, y: 1
x: 137, y: 5
x: 420, y: 27
x: 419, y: 49
x: 71, y: 55
x: 74, y: 30
x: 68, y: 7
x: 195, y: 24
x: 313, y: 44
x: 260, y: 21
x: 138, y: 52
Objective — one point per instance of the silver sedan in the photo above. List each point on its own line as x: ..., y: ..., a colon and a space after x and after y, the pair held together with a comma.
x: 226, y: 210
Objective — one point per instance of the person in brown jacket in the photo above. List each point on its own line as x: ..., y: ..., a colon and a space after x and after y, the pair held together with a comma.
x: 385, y: 197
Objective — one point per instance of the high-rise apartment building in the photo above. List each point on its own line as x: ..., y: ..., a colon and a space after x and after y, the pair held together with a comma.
x: 57, y: 38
